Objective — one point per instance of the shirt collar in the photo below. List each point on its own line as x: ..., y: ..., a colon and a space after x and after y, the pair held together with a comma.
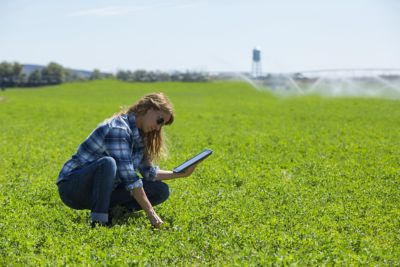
x: 132, y: 121
x: 133, y: 127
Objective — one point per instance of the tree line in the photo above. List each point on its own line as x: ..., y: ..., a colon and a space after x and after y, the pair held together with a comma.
x: 12, y: 75
x: 158, y: 76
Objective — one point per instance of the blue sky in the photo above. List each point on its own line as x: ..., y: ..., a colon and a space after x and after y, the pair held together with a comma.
x: 202, y: 35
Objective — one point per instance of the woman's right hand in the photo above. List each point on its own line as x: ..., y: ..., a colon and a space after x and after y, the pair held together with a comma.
x: 167, y: 175
x: 187, y: 172
x: 155, y: 220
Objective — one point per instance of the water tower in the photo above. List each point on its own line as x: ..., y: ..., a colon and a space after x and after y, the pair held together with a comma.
x: 256, y: 66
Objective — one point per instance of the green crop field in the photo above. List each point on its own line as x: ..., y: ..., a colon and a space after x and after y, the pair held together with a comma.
x: 292, y: 181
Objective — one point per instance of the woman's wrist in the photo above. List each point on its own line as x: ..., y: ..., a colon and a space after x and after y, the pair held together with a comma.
x: 150, y: 212
x: 168, y: 175
x: 179, y: 174
x: 140, y: 196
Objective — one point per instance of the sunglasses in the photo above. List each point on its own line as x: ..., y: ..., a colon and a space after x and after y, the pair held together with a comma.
x: 160, y: 120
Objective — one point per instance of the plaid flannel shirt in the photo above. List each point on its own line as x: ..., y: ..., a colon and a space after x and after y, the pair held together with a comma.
x: 120, y: 139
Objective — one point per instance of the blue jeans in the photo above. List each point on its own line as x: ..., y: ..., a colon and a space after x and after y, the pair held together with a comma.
x: 92, y: 187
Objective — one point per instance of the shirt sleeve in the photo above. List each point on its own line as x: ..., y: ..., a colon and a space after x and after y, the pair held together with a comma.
x: 118, y: 146
x: 148, y: 171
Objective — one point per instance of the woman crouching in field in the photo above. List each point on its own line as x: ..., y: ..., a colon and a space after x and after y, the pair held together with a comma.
x: 101, y: 174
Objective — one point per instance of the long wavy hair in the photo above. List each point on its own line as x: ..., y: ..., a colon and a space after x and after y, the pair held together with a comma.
x: 154, y: 142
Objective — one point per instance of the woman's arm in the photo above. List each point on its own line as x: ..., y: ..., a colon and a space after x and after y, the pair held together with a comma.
x: 140, y: 196
x: 168, y: 175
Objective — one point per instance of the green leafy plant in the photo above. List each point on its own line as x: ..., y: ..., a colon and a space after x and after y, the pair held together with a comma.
x: 305, y: 180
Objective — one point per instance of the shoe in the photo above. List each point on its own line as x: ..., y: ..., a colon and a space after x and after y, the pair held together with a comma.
x: 110, y: 219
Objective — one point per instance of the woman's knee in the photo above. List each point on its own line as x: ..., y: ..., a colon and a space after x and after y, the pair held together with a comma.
x: 109, y: 164
x: 165, y: 190
x: 71, y: 196
x: 162, y: 192
x: 157, y: 192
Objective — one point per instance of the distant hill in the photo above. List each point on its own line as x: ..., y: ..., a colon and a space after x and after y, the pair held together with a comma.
x: 29, y: 68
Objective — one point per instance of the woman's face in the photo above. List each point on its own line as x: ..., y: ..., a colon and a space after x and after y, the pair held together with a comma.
x: 153, y: 120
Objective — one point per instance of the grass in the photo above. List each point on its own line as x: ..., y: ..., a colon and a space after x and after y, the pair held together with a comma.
x: 303, y: 180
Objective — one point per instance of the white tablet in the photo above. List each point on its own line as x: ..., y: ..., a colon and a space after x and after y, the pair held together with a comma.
x: 199, y: 157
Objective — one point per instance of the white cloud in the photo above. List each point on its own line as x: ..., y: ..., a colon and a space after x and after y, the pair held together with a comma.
x: 105, y: 11
x: 112, y: 11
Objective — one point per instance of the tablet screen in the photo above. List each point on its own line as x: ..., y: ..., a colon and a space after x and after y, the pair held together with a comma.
x: 193, y: 160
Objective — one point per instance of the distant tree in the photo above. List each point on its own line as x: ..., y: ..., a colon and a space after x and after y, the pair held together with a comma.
x: 163, y: 76
x: 176, y: 77
x: 123, y: 75
x: 22, y: 79
x: 187, y: 77
x: 140, y: 76
x: 151, y: 76
x: 70, y: 76
x: 53, y: 73
x: 108, y: 76
x: 17, y: 75
x: 5, y: 74
x: 96, y: 75
x: 35, y: 78
x: 193, y: 77
x: 11, y: 74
